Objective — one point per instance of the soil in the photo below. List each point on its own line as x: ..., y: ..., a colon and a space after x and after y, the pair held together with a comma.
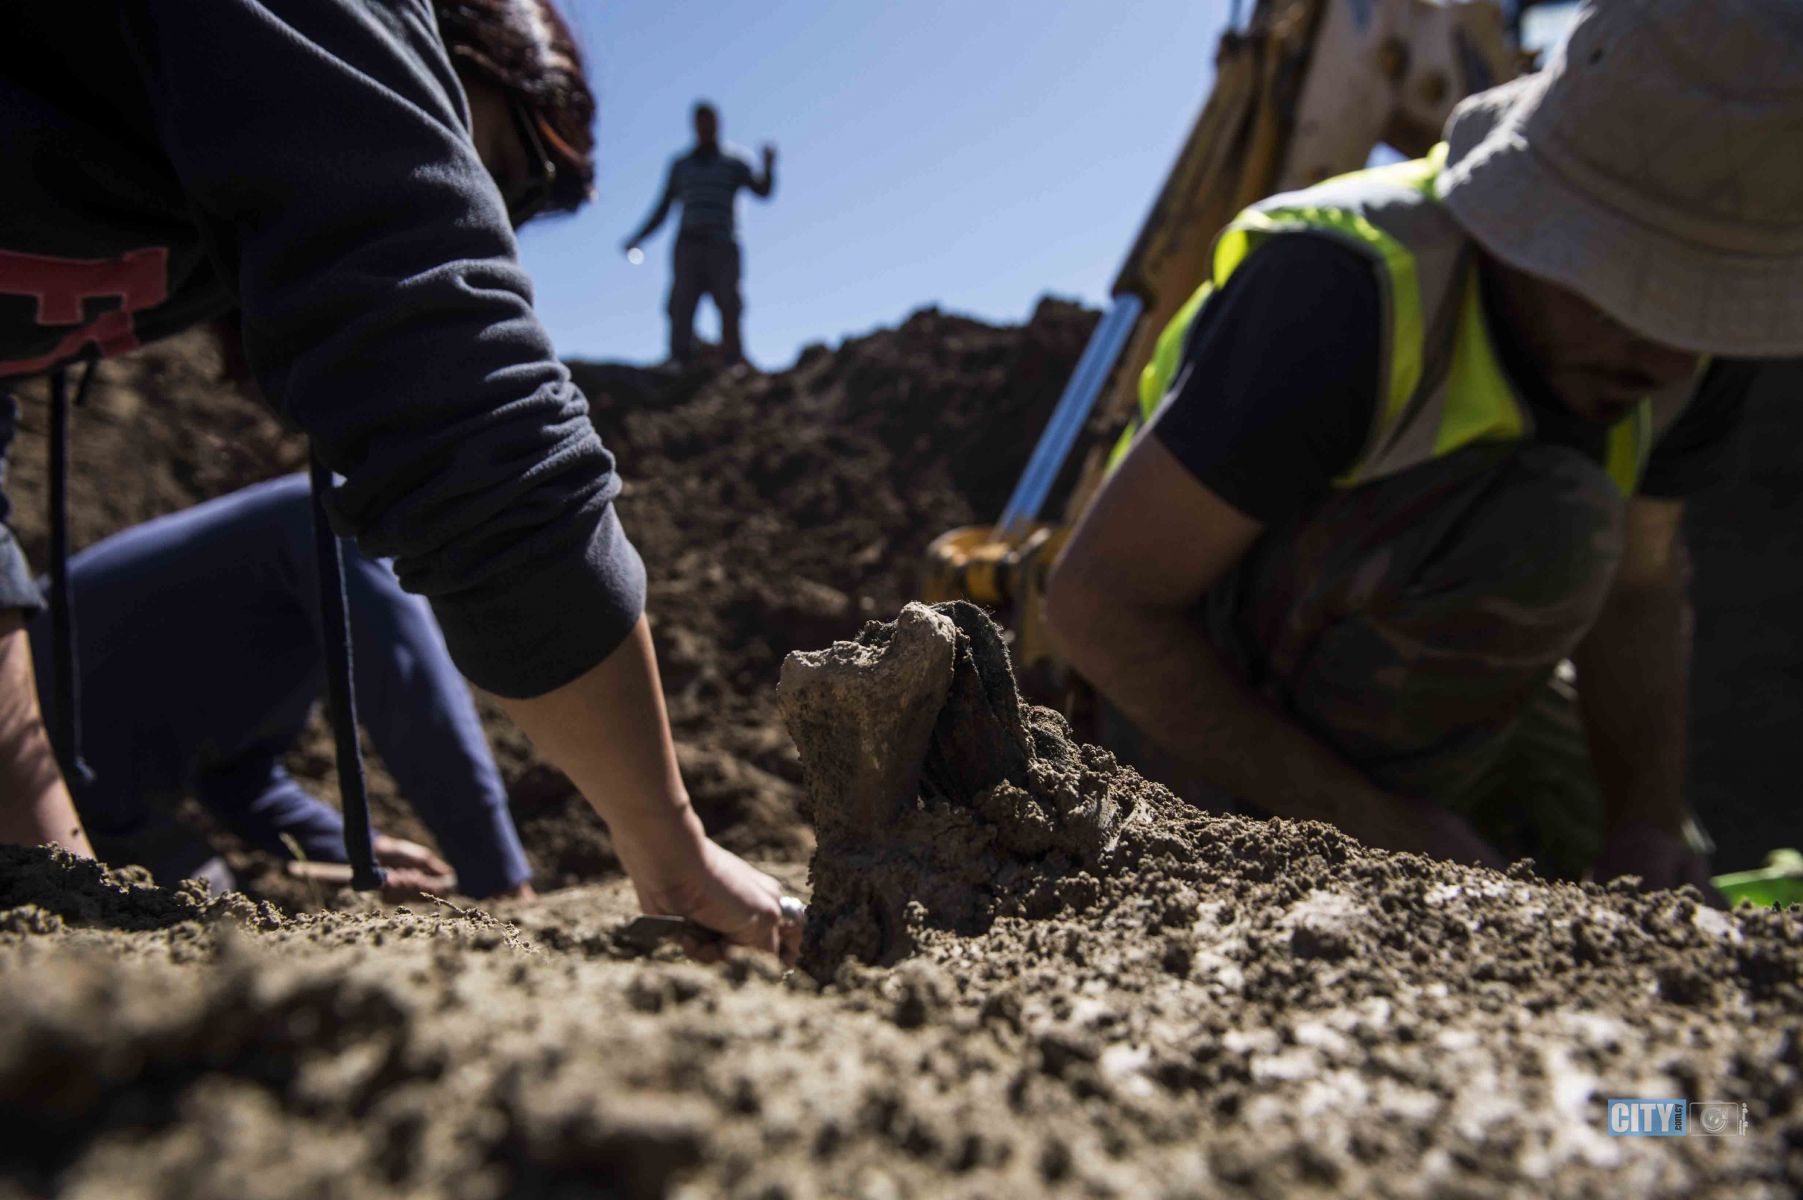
x: 1043, y: 976
x: 1027, y: 971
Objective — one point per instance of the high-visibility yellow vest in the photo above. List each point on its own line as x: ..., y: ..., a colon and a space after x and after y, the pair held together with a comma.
x: 1441, y: 384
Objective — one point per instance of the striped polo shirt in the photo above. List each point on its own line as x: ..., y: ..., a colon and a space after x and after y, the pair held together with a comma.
x: 706, y: 182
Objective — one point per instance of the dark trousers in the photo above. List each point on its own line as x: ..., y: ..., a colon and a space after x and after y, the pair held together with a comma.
x: 1416, y: 624
x: 705, y: 265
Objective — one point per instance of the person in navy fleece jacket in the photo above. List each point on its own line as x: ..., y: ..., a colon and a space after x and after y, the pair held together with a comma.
x: 347, y: 175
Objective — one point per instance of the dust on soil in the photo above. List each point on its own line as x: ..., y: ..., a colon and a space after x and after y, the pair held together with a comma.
x: 1041, y: 976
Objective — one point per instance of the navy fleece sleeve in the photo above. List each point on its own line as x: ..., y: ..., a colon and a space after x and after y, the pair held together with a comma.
x: 324, y: 146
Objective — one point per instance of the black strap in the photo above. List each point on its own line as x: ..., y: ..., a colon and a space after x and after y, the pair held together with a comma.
x: 341, y: 696
x: 65, y: 720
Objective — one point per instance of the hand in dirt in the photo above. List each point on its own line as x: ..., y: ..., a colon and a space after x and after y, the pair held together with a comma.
x: 1662, y: 859
x: 714, y: 887
x: 410, y: 869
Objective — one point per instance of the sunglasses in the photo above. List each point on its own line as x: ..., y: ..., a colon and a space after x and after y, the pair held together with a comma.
x: 530, y: 195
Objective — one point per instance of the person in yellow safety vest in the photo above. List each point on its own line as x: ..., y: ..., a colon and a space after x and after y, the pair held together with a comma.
x: 1400, y: 545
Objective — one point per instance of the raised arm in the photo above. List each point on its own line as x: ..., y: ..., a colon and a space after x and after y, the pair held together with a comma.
x: 764, y: 183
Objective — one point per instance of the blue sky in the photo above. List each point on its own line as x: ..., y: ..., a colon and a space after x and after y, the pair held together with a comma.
x: 973, y: 154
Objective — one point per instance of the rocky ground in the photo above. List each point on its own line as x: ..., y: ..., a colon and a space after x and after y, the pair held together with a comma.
x: 1044, y: 978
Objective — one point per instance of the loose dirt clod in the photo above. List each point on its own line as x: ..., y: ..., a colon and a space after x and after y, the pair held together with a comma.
x: 865, y: 711
x: 929, y: 702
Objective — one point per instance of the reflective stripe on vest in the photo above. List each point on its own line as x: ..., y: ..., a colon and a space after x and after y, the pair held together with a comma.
x: 1441, y: 383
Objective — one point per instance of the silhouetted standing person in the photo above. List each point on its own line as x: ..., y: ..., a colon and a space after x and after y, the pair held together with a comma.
x: 707, y: 260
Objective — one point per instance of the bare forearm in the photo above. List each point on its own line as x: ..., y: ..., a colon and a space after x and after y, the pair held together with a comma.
x: 34, y: 803
x: 608, y: 732
x: 1632, y: 673
x: 655, y: 220
x: 1160, y: 669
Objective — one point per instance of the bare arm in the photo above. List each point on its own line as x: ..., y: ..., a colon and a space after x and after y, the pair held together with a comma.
x: 764, y: 183
x: 34, y: 803
x: 608, y: 732
x: 1633, y: 668
x: 1122, y: 606
x: 659, y: 213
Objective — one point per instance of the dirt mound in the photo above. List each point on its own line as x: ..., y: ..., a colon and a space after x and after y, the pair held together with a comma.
x: 774, y: 512
x: 781, y: 511
x: 1043, y: 976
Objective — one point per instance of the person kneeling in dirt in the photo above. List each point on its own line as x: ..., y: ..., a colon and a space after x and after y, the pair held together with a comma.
x: 349, y: 174
x: 202, y: 655
x: 1427, y: 434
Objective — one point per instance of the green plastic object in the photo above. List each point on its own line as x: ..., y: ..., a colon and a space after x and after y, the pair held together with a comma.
x: 1780, y: 881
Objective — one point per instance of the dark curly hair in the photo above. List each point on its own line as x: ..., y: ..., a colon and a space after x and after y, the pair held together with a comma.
x: 525, y: 48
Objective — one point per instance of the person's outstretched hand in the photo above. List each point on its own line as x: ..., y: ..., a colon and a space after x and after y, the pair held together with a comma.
x: 409, y: 869
x: 769, y: 152
x: 695, y: 877
x: 608, y: 731
x: 1662, y: 859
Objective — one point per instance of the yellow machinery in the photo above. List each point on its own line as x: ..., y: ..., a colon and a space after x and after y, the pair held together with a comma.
x: 1303, y: 91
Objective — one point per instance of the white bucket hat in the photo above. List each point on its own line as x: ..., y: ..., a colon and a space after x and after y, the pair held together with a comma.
x: 1655, y: 167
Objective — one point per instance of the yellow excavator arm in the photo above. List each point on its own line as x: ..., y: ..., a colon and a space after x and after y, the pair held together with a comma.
x: 1304, y: 93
